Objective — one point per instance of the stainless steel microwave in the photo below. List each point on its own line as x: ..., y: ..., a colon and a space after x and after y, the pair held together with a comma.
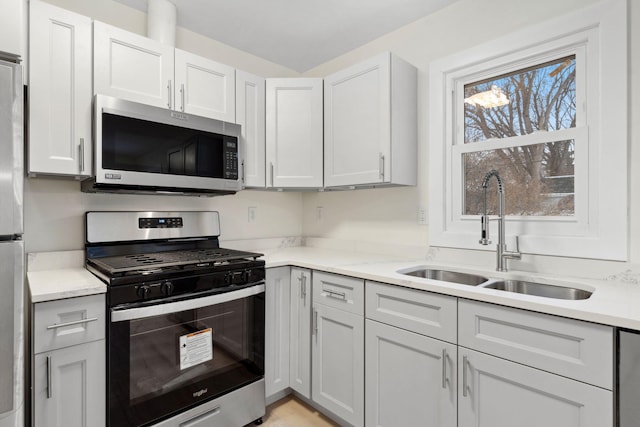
x: 139, y: 148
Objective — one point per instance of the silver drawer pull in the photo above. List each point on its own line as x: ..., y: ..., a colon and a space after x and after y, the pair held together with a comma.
x: 75, y: 322
x: 336, y: 295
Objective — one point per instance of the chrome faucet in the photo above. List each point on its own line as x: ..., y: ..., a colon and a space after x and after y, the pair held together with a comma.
x: 501, y: 248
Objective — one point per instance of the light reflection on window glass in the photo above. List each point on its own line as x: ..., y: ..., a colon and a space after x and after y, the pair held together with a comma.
x: 540, y: 98
x: 538, y: 179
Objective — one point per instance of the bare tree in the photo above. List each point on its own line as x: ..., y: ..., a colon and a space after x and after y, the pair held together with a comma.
x: 540, y: 99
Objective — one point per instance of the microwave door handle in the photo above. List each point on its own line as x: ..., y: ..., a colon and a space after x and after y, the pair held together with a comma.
x: 188, y: 304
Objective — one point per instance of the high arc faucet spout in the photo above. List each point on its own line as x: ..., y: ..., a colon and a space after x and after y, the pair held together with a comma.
x: 501, y: 249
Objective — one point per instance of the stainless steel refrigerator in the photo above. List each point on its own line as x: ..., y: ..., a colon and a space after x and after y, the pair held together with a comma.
x: 11, y: 246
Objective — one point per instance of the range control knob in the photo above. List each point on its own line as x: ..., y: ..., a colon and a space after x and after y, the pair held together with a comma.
x: 166, y: 288
x: 247, y: 275
x: 143, y: 291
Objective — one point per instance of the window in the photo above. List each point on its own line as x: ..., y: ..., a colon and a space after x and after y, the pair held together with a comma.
x: 546, y: 108
x: 539, y: 177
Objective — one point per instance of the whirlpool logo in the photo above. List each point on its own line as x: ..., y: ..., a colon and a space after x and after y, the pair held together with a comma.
x: 200, y: 392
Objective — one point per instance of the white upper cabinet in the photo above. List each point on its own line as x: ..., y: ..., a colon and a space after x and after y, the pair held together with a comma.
x: 204, y: 87
x: 294, y: 133
x: 59, y: 92
x: 11, y: 25
x: 130, y: 66
x: 250, y: 115
x: 370, y: 124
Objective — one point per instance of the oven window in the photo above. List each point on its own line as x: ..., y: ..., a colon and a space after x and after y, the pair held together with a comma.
x: 164, y: 364
x: 140, y: 146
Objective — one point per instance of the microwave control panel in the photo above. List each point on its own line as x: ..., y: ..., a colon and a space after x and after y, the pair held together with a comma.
x: 230, y: 158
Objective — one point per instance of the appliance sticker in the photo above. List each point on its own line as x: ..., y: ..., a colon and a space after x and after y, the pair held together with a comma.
x: 196, y: 348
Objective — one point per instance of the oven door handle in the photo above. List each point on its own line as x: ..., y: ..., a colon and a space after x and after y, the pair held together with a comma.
x: 188, y: 304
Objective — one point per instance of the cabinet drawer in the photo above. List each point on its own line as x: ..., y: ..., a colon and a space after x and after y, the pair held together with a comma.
x: 62, y: 323
x: 572, y: 348
x: 416, y: 311
x: 344, y: 293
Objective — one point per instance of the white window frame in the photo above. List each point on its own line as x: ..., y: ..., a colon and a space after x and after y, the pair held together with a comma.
x: 598, y: 37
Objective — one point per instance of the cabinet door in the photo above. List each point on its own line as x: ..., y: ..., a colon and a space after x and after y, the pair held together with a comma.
x: 338, y: 362
x: 204, y: 87
x: 357, y: 123
x: 410, y: 379
x: 294, y: 133
x: 69, y: 386
x: 132, y: 67
x: 276, y: 358
x: 498, y: 393
x: 59, y: 91
x: 300, y: 332
x: 250, y: 115
x: 11, y: 25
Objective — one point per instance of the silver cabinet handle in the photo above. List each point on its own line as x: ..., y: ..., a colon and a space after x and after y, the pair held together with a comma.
x: 444, y: 368
x: 81, y: 154
x: 381, y: 166
x: 170, y: 96
x: 271, y: 168
x: 303, y: 279
x: 315, y: 323
x: 75, y: 322
x: 465, y: 362
x: 49, y: 385
x: 182, y: 97
x: 336, y: 295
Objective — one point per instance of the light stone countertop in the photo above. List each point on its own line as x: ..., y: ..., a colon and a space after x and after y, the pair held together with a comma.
x: 58, y: 275
x: 614, y: 302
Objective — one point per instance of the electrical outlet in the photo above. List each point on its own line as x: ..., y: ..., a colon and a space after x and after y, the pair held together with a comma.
x: 319, y: 213
x: 422, y: 215
x: 252, y: 213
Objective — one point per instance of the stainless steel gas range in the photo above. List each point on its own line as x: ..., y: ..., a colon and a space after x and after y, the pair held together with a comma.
x: 186, y: 320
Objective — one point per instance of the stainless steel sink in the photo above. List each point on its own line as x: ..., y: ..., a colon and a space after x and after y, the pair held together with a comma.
x: 447, y: 276
x: 540, y: 289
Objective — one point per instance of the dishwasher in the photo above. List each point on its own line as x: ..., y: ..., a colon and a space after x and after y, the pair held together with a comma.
x: 628, y: 395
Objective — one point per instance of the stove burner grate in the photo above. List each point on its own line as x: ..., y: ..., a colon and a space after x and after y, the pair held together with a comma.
x: 138, y: 262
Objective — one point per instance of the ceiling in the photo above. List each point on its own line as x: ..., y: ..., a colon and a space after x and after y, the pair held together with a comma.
x: 298, y: 34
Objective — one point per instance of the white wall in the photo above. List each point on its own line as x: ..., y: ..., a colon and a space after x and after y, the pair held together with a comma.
x: 54, y: 209
x: 383, y: 216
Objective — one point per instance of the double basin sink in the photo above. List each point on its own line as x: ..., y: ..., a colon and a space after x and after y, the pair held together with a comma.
x: 517, y: 286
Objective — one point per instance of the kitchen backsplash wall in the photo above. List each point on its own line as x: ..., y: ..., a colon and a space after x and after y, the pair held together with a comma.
x: 54, y: 213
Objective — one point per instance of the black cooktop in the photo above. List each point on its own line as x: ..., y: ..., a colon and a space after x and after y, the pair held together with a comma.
x: 140, y: 262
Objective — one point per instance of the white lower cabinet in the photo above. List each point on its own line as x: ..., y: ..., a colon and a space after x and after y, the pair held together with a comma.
x: 499, y: 393
x: 276, y: 357
x: 338, y: 362
x: 68, y: 362
x: 69, y: 386
x: 300, y: 332
x: 410, y: 378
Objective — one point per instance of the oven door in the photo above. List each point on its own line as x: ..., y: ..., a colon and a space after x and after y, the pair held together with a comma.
x: 166, y: 358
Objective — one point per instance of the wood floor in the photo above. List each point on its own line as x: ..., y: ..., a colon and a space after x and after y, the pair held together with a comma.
x: 290, y: 412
